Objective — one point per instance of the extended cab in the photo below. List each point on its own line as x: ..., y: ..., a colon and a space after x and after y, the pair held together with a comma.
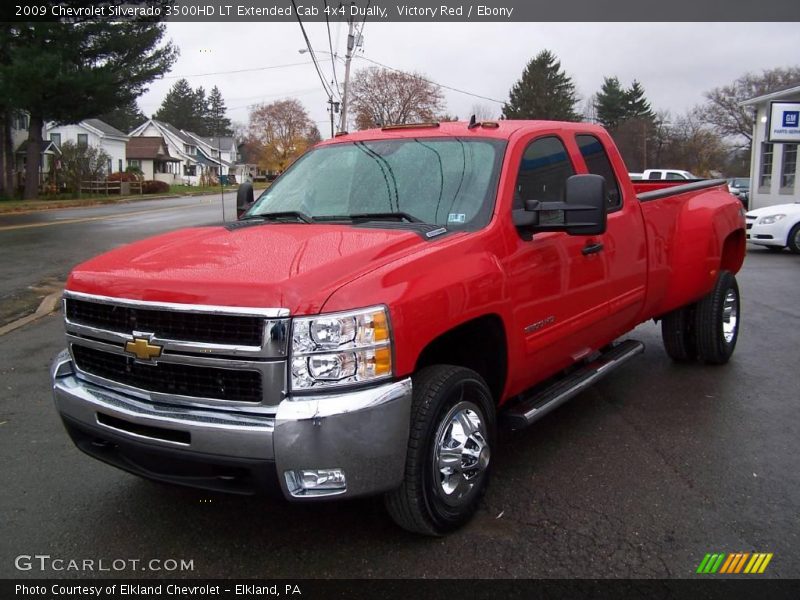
x: 389, y: 301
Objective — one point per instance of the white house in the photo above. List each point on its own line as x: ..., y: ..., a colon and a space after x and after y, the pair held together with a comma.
x: 151, y: 156
x: 96, y: 133
x: 773, y: 161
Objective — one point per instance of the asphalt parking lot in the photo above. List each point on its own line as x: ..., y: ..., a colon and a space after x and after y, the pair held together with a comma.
x: 640, y: 476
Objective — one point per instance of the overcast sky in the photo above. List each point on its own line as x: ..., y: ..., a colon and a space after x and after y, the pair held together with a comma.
x: 675, y: 62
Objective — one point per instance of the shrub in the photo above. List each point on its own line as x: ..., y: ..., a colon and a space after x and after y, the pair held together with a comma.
x: 122, y: 176
x: 154, y: 187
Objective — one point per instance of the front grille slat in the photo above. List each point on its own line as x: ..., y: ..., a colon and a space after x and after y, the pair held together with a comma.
x: 187, y: 326
x: 171, y: 378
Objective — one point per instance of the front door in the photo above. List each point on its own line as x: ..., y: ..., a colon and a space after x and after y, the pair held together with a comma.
x: 557, y: 287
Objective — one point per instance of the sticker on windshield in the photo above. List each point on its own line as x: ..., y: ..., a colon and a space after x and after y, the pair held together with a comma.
x: 457, y: 218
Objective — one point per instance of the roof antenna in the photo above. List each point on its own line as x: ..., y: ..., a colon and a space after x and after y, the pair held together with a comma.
x: 473, y: 122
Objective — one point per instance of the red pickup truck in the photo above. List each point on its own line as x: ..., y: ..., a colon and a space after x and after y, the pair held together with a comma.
x: 390, y: 301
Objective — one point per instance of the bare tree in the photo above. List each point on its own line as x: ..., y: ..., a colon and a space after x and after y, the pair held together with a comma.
x: 695, y: 146
x: 723, y: 111
x: 279, y: 132
x: 387, y: 97
x: 484, y: 112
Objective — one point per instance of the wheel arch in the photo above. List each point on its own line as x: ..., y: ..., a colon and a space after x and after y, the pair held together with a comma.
x: 479, y: 344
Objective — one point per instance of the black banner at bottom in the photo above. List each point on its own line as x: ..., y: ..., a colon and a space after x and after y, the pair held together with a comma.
x: 410, y: 589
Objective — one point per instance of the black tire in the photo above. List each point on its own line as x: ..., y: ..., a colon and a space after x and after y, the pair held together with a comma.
x: 677, y: 333
x: 793, y: 241
x: 717, y: 320
x: 774, y: 249
x: 422, y: 503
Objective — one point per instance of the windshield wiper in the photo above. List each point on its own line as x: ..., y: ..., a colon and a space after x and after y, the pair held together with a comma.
x: 286, y: 214
x: 373, y: 216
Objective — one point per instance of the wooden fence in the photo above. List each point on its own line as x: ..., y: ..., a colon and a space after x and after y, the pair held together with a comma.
x: 111, y: 187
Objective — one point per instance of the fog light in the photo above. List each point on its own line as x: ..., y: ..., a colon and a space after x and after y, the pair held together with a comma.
x: 315, y: 482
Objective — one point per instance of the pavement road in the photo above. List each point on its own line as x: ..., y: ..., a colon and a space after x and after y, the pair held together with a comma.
x: 44, y: 246
x: 639, y: 476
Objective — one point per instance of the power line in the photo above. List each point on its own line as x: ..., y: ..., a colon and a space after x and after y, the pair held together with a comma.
x: 330, y: 45
x: 311, y: 51
x: 238, y: 70
x: 441, y: 85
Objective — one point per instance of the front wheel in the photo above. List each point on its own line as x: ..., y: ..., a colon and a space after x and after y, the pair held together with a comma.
x: 449, y: 451
x: 717, y: 319
x: 793, y: 240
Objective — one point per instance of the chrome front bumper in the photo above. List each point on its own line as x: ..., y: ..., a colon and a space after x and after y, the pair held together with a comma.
x: 363, y: 433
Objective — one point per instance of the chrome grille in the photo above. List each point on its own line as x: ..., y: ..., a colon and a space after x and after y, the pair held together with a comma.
x: 169, y: 378
x: 209, y: 356
x: 197, y: 327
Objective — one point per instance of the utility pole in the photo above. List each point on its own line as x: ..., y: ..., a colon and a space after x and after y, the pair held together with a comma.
x: 333, y: 107
x: 351, y: 44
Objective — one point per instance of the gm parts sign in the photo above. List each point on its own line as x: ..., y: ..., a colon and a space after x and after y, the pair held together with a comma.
x: 784, y: 122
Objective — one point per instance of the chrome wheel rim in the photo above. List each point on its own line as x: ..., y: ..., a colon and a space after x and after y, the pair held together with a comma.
x: 730, y: 316
x: 461, y: 453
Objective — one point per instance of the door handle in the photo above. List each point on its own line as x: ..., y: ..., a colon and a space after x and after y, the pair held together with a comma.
x: 592, y: 248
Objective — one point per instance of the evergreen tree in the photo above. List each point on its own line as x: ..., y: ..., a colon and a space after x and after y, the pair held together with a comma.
x: 218, y: 122
x: 544, y: 91
x: 637, y: 105
x: 611, y: 103
x: 179, y: 106
x: 200, y: 115
x: 125, y: 117
x: 70, y: 71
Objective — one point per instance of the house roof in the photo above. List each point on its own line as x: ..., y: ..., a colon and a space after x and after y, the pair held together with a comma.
x: 780, y: 94
x: 104, y: 127
x: 176, y: 132
x: 148, y: 148
x: 48, y: 147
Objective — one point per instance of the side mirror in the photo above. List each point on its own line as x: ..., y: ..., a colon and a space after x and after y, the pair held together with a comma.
x: 244, y: 198
x: 583, y: 211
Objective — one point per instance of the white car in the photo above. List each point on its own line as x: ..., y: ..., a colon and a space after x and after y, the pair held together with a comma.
x: 775, y: 227
x: 671, y: 174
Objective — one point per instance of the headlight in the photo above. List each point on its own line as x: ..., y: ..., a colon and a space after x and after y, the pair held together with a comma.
x: 769, y: 220
x: 341, y: 349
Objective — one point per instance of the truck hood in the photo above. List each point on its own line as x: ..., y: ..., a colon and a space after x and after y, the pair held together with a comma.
x: 294, y: 266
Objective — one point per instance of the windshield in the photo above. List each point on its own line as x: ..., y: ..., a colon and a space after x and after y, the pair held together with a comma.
x: 444, y: 181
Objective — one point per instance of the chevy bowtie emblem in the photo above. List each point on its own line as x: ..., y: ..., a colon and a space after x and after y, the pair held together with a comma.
x: 142, y: 349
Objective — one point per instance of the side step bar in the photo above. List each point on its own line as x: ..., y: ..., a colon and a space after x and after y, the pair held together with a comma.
x: 542, y: 400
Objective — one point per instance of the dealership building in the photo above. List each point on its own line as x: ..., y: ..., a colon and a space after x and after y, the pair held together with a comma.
x: 776, y: 134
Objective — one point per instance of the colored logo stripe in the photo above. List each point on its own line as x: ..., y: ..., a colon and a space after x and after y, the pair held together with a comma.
x: 734, y: 563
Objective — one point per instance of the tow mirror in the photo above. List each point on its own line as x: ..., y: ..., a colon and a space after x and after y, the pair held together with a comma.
x: 244, y: 198
x: 583, y: 211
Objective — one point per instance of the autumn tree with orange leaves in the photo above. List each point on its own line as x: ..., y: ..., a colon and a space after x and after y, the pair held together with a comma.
x: 279, y: 132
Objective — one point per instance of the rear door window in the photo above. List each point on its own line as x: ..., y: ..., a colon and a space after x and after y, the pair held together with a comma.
x: 598, y: 163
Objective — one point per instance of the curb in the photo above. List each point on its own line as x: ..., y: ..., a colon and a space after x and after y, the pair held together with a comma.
x: 48, y: 304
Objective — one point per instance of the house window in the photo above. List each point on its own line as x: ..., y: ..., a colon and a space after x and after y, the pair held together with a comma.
x: 190, y: 170
x: 83, y: 139
x: 789, y: 167
x: 119, y: 165
x: 21, y: 122
x: 109, y: 166
x: 134, y: 162
x: 765, y: 173
x: 189, y: 149
x: 55, y: 138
